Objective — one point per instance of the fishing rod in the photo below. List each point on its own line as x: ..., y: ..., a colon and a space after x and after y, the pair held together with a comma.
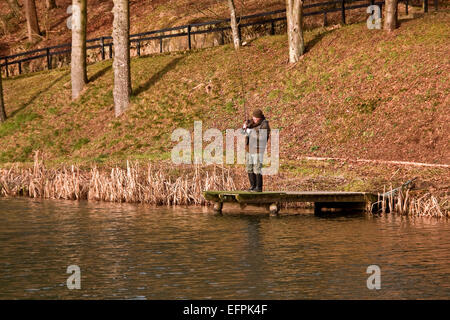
x: 241, y: 77
x: 243, y: 93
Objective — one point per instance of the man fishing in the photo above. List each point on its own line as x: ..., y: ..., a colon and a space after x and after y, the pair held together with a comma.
x: 257, y: 133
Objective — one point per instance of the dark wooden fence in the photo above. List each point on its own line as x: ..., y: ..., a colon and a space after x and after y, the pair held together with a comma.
x: 105, y: 43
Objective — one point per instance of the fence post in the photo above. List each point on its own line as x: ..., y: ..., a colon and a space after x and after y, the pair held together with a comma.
x: 160, y: 44
x: 425, y: 6
x: 325, y: 22
x: 102, y: 40
x: 138, y: 47
x: 6, y: 67
x: 110, y: 50
x: 406, y: 7
x: 20, y: 67
x: 436, y: 5
x: 189, y: 37
x: 239, y: 32
x: 343, y: 11
x: 49, y: 61
x: 272, y: 28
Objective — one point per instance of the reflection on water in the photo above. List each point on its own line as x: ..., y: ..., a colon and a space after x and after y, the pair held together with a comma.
x: 139, y: 252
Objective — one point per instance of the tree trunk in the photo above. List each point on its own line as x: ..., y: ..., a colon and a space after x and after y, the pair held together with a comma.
x: 32, y: 20
x: 78, y: 59
x: 50, y: 4
x: 234, y: 25
x: 294, y: 15
x: 121, y: 63
x: 390, y: 15
x: 2, y: 103
x: 15, y: 8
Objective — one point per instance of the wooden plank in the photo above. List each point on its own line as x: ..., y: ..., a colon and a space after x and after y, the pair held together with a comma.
x: 227, y: 197
x: 281, y: 196
x: 211, y: 196
x: 331, y: 196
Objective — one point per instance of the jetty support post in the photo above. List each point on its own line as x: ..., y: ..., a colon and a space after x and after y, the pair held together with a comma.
x: 218, y: 207
x: 274, y: 209
x: 339, y: 206
x: 318, y: 208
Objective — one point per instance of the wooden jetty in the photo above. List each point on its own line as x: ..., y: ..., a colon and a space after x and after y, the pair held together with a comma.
x: 273, y: 199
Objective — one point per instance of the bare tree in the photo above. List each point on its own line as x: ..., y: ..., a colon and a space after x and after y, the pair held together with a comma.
x: 234, y: 25
x: 391, y: 15
x: 15, y: 8
x: 50, y: 4
x: 294, y: 15
x: 32, y: 20
x: 121, y: 63
x: 78, y: 59
x: 2, y: 103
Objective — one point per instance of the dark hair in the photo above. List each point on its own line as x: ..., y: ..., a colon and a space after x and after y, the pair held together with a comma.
x: 257, y: 113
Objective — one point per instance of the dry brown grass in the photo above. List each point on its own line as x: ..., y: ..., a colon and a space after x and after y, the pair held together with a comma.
x: 403, y: 203
x: 153, y: 184
x: 158, y: 184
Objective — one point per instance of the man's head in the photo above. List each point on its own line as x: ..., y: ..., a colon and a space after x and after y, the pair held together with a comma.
x: 257, y: 115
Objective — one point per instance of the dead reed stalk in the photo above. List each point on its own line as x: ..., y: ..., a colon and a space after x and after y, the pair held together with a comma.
x: 164, y: 184
x: 134, y: 184
x: 403, y: 203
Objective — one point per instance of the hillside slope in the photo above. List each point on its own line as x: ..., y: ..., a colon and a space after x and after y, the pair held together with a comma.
x: 145, y: 15
x: 357, y: 93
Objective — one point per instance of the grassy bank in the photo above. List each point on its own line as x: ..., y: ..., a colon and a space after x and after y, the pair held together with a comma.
x: 145, y: 15
x: 384, y: 98
x: 357, y: 93
x: 163, y: 184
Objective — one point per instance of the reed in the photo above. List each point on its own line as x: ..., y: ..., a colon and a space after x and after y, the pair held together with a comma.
x: 156, y: 184
x: 403, y: 203
x: 134, y: 184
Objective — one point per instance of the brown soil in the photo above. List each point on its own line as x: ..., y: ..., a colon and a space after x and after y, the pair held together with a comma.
x: 146, y: 15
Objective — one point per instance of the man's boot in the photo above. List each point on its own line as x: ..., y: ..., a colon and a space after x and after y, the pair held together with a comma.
x: 252, y: 179
x: 259, y: 183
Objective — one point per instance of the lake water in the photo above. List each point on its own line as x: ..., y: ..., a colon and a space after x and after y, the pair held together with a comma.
x: 141, y: 252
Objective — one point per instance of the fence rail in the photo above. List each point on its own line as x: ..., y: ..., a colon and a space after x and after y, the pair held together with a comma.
x: 137, y: 38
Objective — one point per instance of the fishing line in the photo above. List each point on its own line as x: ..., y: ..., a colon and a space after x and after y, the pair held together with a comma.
x: 243, y: 93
